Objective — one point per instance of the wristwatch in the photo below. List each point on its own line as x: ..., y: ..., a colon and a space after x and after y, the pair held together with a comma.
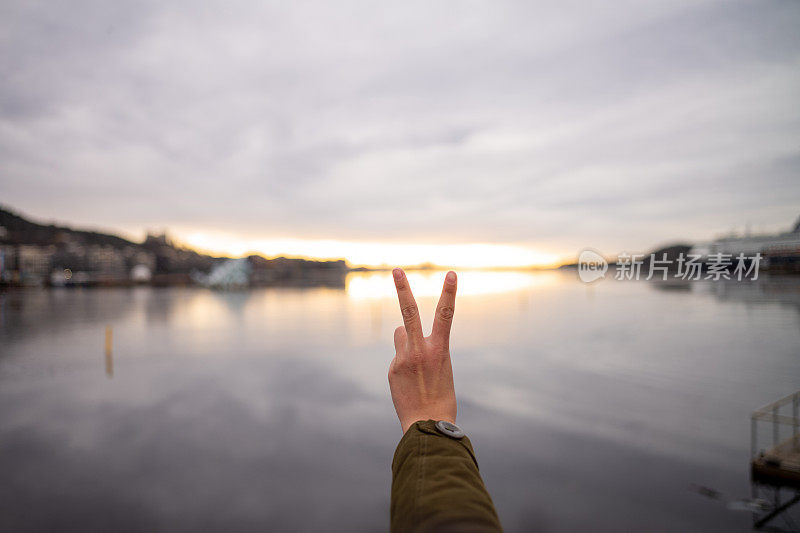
x: 449, y: 429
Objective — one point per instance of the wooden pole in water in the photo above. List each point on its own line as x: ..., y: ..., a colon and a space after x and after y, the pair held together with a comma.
x: 109, y: 355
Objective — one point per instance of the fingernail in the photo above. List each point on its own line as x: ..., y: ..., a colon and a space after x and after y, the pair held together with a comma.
x: 398, y: 274
x: 451, y: 277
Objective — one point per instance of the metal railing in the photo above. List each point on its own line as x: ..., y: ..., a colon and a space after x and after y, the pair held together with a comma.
x: 781, y: 414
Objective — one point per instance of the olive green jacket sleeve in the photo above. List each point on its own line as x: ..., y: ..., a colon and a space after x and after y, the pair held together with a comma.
x: 436, y: 485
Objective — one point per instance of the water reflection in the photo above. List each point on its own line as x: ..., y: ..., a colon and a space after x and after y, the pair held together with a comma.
x: 592, y: 407
x: 429, y: 283
x: 109, y: 352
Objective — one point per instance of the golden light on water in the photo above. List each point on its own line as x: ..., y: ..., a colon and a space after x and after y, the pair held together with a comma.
x: 429, y: 283
x: 475, y: 255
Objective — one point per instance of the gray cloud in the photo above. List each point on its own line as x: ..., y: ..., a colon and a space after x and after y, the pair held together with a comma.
x: 552, y: 123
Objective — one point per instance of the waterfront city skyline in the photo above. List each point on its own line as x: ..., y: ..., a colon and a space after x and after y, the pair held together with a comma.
x: 512, y: 133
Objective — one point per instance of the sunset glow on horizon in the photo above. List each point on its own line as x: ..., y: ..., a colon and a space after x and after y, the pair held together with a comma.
x: 427, y: 284
x: 375, y: 254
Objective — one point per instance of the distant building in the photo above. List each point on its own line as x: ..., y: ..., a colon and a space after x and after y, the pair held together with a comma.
x: 135, y: 257
x: 299, y: 272
x: 60, y: 277
x: 8, y: 264
x: 780, y: 251
x: 106, y: 264
x: 141, y: 274
x: 230, y: 274
x: 34, y: 262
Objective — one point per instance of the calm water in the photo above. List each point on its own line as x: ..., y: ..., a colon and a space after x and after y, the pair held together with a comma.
x: 591, y: 408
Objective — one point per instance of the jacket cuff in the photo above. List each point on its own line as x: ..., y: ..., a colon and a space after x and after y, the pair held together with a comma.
x: 409, y: 441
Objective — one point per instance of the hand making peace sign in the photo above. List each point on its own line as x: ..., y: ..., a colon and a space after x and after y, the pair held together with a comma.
x: 420, y: 375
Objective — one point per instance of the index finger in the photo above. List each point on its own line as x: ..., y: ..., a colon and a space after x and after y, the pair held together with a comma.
x: 408, y: 307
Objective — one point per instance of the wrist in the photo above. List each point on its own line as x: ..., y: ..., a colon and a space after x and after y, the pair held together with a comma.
x: 406, y: 423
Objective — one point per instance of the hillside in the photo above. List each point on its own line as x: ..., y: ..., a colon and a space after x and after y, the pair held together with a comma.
x: 19, y: 230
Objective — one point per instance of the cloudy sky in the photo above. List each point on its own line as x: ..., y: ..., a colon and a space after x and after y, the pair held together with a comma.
x: 365, y: 129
